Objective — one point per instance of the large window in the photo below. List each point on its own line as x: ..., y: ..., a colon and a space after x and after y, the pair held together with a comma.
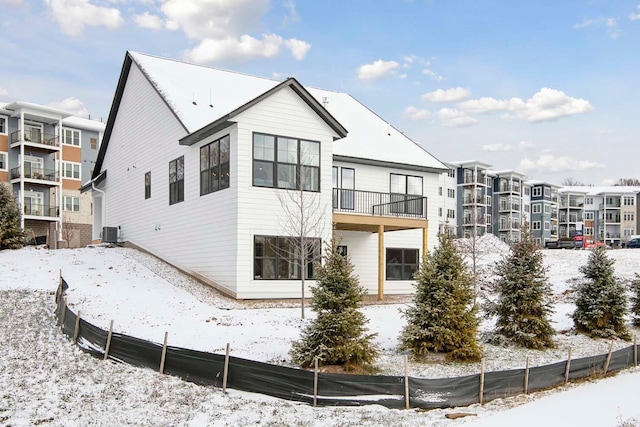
x: 147, y: 185
x: 281, y: 162
x: 344, y: 184
x: 3, y: 161
x: 71, y: 204
x: 3, y: 125
x: 406, y: 194
x: 176, y: 180
x: 401, y: 263
x: 537, y: 208
x: 71, y: 170
x: 71, y: 137
x: 214, y: 166
x: 277, y: 258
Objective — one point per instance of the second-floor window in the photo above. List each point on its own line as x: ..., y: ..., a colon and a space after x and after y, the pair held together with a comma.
x: 70, y: 170
x: 537, y: 208
x: 71, y: 204
x: 282, y: 162
x: 3, y: 161
x: 406, y: 194
x: 176, y: 180
x: 71, y: 137
x: 147, y: 185
x: 3, y: 125
x: 214, y: 166
x: 537, y: 191
x: 451, y: 193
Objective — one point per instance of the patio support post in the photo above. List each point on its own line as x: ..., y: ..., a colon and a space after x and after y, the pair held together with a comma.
x: 380, y: 262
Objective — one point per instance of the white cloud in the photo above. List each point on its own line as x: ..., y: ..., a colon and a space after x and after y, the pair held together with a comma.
x: 293, y: 15
x: 73, y: 15
x: 416, y: 113
x: 546, y: 104
x: 12, y: 2
x: 377, y: 69
x: 435, y: 76
x: 3, y: 91
x: 448, y: 95
x: 635, y: 16
x: 146, y: 20
x: 71, y: 105
x: 612, y: 28
x: 585, y: 23
x: 606, y: 132
x: 451, y: 117
x: 612, y: 22
x: 549, y: 163
x: 245, y: 47
x: 520, y: 146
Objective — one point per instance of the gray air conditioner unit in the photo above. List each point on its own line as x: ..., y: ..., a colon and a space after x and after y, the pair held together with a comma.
x: 109, y: 234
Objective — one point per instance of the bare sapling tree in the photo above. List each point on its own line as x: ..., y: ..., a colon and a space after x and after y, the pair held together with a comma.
x: 303, y: 219
x: 68, y: 229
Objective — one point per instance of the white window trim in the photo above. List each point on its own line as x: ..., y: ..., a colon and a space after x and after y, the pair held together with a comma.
x: 534, y: 224
x: 6, y: 125
x: 64, y: 203
x: 536, y: 208
x: 537, y: 192
x: 6, y: 161
x: 64, y: 137
x: 64, y: 171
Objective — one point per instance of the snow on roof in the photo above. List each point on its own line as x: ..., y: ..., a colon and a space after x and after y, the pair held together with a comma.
x: 369, y: 136
x: 81, y: 123
x: 593, y: 191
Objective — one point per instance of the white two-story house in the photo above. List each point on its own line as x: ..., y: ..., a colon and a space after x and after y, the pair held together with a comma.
x: 193, y: 159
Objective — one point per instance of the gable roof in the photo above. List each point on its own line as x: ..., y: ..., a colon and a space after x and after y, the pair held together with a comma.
x: 204, y: 100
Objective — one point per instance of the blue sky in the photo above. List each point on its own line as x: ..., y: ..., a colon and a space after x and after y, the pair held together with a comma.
x: 548, y: 88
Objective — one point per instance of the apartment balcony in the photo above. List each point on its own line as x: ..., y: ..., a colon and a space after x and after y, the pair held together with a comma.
x: 507, y: 226
x: 36, y: 139
x: 35, y: 175
x: 572, y: 204
x: 473, y: 200
x: 379, y: 204
x: 475, y: 180
x: 615, y: 205
x: 468, y: 221
x: 509, y: 207
x: 513, y: 188
x: 46, y: 212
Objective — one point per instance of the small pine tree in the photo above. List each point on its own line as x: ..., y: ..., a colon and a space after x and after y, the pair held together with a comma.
x: 635, y: 300
x: 443, y: 317
x: 601, y: 304
x: 524, y: 308
x: 11, y: 235
x: 337, y: 336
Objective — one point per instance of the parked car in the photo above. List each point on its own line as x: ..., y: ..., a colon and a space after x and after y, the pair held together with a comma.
x: 567, y: 243
x: 634, y: 243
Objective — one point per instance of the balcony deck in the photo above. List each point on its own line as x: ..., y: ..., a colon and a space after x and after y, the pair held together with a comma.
x: 35, y: 139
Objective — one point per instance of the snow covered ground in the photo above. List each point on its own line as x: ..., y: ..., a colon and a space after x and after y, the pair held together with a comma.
x: 48, y: 381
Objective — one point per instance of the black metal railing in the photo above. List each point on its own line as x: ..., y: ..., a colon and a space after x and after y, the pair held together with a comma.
x: 381, y: 204
x: 34, y: 135
x: 41, y: 210
x: 35, y: 173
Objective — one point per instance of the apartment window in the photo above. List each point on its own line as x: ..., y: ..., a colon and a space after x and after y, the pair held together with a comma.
x: 547, y: 192
x: 628, y: 231
x: 588, y: 200
x: 527, y: 191
x: 537, y: 208
x: 440, y: 212
x: 71, y: 170
x: 451, y: 213
x: 527, y: 208
x: 176, y: 180
x: 214, y: 166
x: 628, y: 216
x: 588, y: 231
x: 406, y: 194
x: 93, y: 142
x: 547, y: 208
x: 537, y: 191
x: 588, y: 216
x: 71, y: 137
x: 451, y: 173
x: 3, y: 125
x: 3, y: 161
x: 439, y: 191
x: 535, y: 225
x: 451, y: 193
x: 276, y: 258
x: 629, y: 200
x: 281, y: 162
x: 342, y: 250
x: 401, y: 263
x: 70, y: 204
x: 147, y: 185
x: 547, y: 225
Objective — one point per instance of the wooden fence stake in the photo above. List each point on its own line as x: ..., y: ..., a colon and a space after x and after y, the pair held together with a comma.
x: 315, y: 382
x: 526, y: 377
x: 635, y: 351
x: 226, y: 370
x: 164, y: 353
x: 108, y: 344
x: 481, y: 393
x: 566, y: 371
x: 606, y: 363
x: 406, y: 382
x: 76, y: 330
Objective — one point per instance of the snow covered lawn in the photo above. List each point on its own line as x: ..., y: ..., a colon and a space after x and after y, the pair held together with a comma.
x: 50, y: 381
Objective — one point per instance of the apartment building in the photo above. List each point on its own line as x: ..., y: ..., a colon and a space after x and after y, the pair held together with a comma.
x: 543, y: 211
x: 45, y: 155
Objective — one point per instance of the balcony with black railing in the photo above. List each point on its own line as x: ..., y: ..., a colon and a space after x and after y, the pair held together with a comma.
x: 35, y: 137
x: 379, y: 204
x: 41, y: 210
x: 41, y: 174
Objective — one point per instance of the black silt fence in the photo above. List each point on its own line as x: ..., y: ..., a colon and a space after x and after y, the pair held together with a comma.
x: 333, y: 389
